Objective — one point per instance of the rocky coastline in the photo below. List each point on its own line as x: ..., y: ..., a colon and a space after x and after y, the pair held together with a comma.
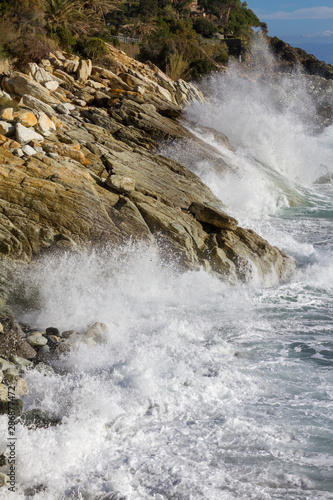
x: 79, y: 168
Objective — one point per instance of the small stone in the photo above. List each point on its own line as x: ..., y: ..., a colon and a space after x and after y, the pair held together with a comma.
x: 44, y: 368
x: 7, y: 114
x: 84, y: 70
x: 28, y: 150
x: 121, y: 183
x: 68, y: 333
x: 5, y: 365
x: 1, y: 376
x: 80, y: 102
x: 15, y: 406
x: 19, y: 152
x: 6, y: 128
x: 37, y: 340
x: 39, y: 418
x: 65, y: 108
x: 97, y: 332
x: 27, y: 119
x: 4, y: 480
x: 3, y: 393
x: 25, y: 350
x: 51, y: 85
x: 24, y: 135
x: 1, y: 328
x: 21, y: 362
x: 21, y: 388
x: 11, y: 375
x: 45, y: 349
x: 45, y: 124
x: 52, y: 331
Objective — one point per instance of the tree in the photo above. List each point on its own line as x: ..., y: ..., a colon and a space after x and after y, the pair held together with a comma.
x: 63, y: 13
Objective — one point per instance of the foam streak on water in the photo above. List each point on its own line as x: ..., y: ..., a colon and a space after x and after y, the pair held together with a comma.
x: 201, y: 391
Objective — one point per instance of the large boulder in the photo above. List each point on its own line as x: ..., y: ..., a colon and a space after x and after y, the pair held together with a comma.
x: 21, y: 84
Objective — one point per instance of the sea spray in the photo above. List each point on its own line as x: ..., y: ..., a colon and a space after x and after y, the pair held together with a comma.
x: 196, y: 393
x: 201, y: 391
x: 272, y: 124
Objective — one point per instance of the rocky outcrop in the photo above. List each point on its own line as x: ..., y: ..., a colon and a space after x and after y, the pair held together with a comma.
x: 78, y: 167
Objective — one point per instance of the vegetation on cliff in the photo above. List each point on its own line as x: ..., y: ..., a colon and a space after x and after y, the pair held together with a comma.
x: 176, y: 35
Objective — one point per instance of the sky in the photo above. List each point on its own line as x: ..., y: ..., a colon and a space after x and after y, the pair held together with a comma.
x: 301, y: 23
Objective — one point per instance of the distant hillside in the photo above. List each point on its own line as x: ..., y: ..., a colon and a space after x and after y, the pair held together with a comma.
x: 290, y: 56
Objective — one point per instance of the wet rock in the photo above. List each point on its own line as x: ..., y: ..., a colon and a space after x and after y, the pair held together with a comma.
x: 38, y: 418
x: 214, y: 217
x: 4, y: 480
x: 52, y: 331
x: 97, y: 332
x: 21, y: 362
x: 37, y: 340
x: 14, y: 406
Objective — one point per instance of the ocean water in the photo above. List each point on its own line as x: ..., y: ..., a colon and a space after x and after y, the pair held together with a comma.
x: 202, y: 391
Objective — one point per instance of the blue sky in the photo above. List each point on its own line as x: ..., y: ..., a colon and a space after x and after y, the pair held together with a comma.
x: 302, y: 23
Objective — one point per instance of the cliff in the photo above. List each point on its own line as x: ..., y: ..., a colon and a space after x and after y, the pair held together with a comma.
x: 78, y: 168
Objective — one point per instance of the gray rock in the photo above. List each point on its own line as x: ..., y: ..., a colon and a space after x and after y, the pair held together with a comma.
x: 36, y: 340
x: 34, y: 103
x: 28, y: 150
x: 38, y: 418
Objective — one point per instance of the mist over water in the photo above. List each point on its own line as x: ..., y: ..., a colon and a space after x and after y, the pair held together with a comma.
x: 200, y: 390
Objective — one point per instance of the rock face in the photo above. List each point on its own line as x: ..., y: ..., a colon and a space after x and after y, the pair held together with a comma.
x: 85, y: 172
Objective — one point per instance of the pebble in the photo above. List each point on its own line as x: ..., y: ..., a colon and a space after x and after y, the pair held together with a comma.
x: 4, y: 479
x: 21, y: 362
x: 36, y: 340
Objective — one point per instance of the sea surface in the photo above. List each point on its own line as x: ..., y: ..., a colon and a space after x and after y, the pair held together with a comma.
x: 203, y: 391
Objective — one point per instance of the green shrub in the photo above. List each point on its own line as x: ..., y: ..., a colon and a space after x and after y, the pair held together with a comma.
x: 8, y: 103
x: 221, y: 54
x: 177, y: 67
x: 63, y: 37
x: 201, y: 67
x: 96, y: 47
x: 204, y: 27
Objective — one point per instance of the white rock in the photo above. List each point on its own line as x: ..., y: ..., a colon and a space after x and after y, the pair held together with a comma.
x: 4, y: 480
x: 121, y: 183
x: 28, y: 150
x: 6, y: 128
x: 39, y: 74
x: 25, y: 135
x: 80, y: 102
x: 45, y: 125
x: 95, y: 85
x: 52, y: 85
